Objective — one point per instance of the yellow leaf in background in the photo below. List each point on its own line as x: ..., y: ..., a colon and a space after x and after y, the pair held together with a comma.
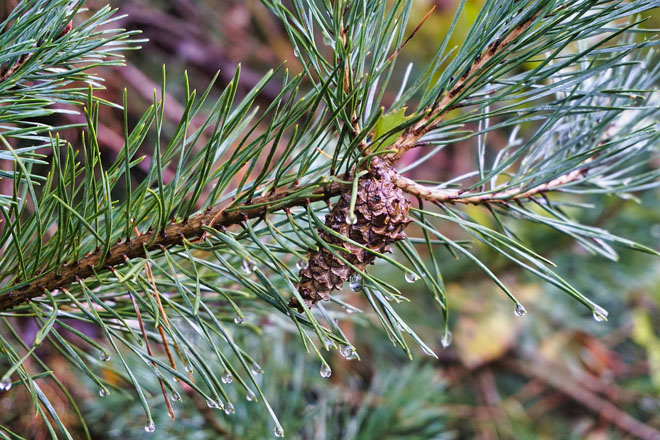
x: 385, y: 124
x: 642, y: 329
x: 487, y: 327
x: 486, y: 338
x: 644, y: 335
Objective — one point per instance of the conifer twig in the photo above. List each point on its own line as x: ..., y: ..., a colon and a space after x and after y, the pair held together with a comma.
x: 26, y: 57
x: 443, y: 195
x: 411, y: 136
x: 14, y: 67
x: 172, y: 235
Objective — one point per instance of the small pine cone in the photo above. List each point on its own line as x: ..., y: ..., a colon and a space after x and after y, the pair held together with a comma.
x: 381, y: 211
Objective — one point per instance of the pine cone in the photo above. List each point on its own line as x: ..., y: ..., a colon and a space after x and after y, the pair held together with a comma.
x: 381, y: 211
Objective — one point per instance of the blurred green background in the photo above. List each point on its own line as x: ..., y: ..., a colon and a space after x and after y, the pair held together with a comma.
x: 555, y: 373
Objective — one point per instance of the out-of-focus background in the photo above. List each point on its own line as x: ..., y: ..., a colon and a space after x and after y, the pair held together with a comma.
x: 555, y: 373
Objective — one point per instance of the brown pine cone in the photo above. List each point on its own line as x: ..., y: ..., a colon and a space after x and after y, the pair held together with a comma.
x: 381, y: 211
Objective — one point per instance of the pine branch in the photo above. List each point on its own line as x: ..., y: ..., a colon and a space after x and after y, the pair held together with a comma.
x: 172, y: 235
x: 447, y: 101
x: 465, y: 197
x: 244, y: 166
x: 176, y: 234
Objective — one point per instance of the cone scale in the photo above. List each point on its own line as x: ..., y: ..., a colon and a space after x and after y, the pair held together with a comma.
x: 381, y: 215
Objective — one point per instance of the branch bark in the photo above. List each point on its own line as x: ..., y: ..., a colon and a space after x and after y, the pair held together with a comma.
x: 412, y: 135
x: 457, y: 196
x: 574, y: 390
x: 173, y: 235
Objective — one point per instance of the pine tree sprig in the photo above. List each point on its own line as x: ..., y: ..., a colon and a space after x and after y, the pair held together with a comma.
x: 172, y: 235
x: 172, y: 271
x: 447, y: 101
x: 440, y: 196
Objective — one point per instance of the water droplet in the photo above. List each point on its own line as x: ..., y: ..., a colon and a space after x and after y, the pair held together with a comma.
x: 296, y: 52
x: 189, y: 367
x: 351, y: 220
x: 302, y: 264
x: 520, y: 310
x: 239, y: 319
x: 655, y: 229
x: 105, y: 356
x: 328, y: 344
x: 648, y: 404
x: 256, y: 368
x: 103, y: 392
x: 411, y: 277
x: 211, y: 403
x: 278, y: 431
x: 348, y: 352
x: 151, y: 426
x: 348, y: 310
x: 176, y: 396
x: 229, y: 408
x: 5, y: 385
x: 355, y: 282
x: 250, y: 397
x: 325, y: 371
x: 227, y: 377
x: 446, y: 339
x: 600, y: 314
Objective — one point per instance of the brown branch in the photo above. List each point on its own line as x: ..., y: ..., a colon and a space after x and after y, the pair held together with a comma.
x: 17, y: 65
x: 456, y: 196
x: 412, y: 135
x: 592, y: 401
x: 172, y: 235
x: 209, y: 415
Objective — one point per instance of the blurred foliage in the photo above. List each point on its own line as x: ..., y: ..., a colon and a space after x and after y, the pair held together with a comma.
x: 404, y: 400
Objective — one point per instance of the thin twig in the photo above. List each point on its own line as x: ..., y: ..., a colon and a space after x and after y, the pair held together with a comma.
x: 26, y: 57
x: 573, y: 389
x: 138, y: 315
x: 411, y: 135
x: 412, y: 34
x: 17, y: 65
x: 456, y: 196
x: 156, y: 295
